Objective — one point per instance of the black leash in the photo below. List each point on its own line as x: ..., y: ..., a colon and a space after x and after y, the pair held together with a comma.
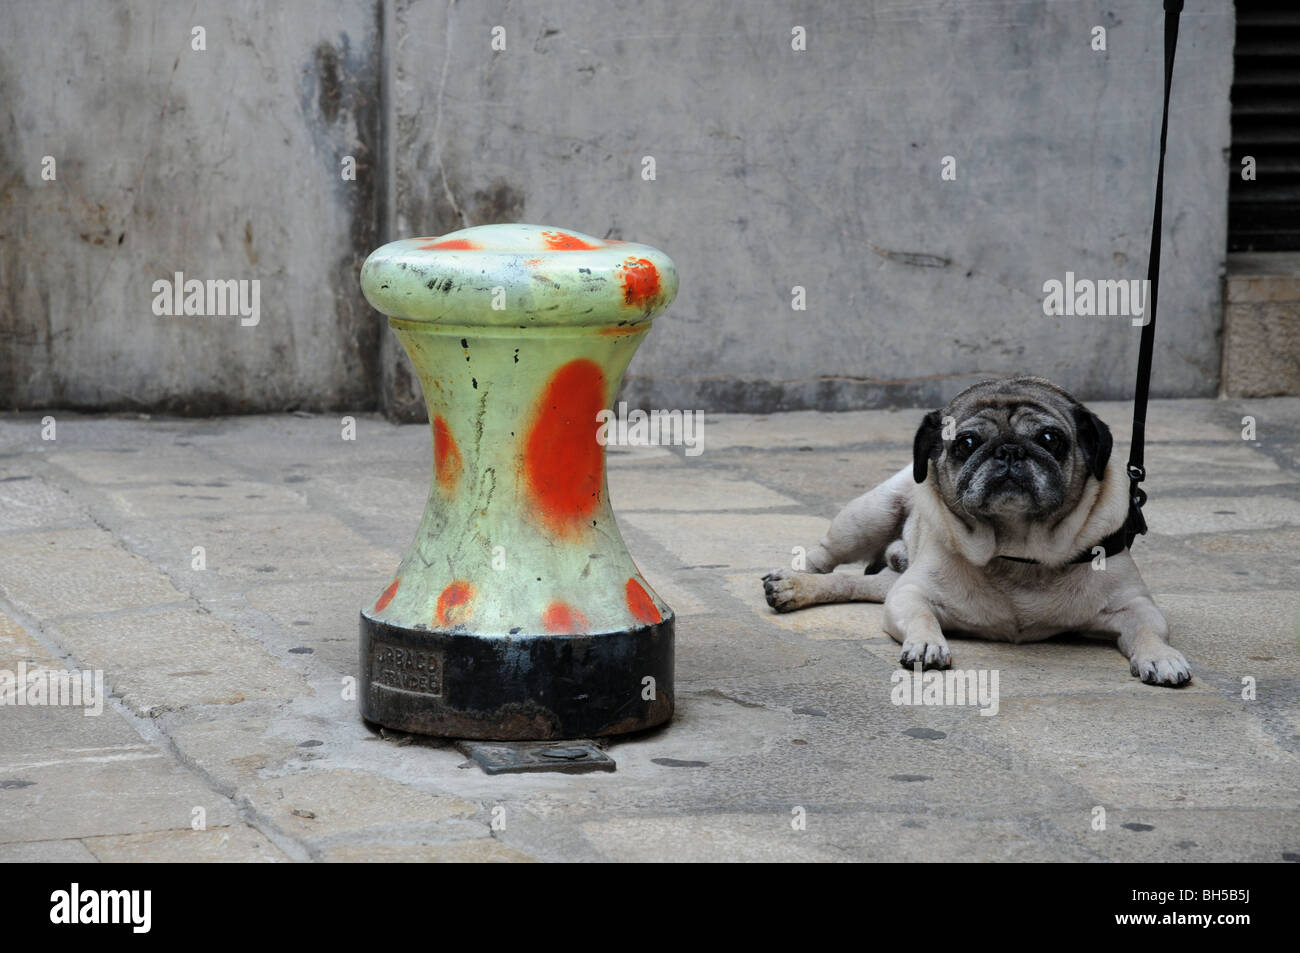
x: 1136, y: 525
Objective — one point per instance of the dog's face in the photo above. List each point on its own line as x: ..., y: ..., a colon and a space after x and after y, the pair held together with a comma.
x: 1011, y: 451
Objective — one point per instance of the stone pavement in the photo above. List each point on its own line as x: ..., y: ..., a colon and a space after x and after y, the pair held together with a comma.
x: 227, y: 706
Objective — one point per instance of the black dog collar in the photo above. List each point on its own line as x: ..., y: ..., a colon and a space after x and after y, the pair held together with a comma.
x: 1134, y: 525
x: 1113, y: 544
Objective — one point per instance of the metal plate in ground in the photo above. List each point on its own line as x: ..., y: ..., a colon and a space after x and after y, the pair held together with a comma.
x: 517, y: 757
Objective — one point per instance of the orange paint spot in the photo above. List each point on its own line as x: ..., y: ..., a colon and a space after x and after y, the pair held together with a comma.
x: 451, y: 244
x: 640, y: 603
x: 562, y: 619
x: 562, y: 242
x: 453, y: 604
x: 386, y: 597
x: 617, y: 332
x: 563, y: 463
x: 533, y: 262
x: 640, y: 282
x: 446, y: 455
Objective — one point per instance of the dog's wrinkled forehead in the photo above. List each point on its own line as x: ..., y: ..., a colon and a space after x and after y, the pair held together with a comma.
x: 1019, y: 415
x: 1009, y: 403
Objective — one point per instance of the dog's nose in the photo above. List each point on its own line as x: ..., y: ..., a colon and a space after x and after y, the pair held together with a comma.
x: 1010, y: 452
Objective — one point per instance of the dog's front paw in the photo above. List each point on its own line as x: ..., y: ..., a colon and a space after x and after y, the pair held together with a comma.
x: 1164, y: 665
x: 783, y: 590
x: 929, y: 654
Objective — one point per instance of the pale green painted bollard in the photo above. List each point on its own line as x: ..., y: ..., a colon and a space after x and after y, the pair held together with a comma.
x: 517, y: 612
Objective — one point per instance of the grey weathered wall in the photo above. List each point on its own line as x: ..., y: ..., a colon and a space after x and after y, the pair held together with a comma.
x: 218, y: 164
x: 822, y: 169
x: 774, y: 168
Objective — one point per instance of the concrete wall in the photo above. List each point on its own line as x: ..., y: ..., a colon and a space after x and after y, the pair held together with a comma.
x: 774, y: 168
x: 222, y: 163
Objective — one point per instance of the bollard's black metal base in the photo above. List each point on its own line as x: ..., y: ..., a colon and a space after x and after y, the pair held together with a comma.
x: 517, y: 687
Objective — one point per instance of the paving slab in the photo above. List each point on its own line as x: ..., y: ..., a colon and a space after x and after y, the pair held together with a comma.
x: 28, y: 502
x: 312, y: 805
x: 70, y: 572
x: 237, y: 844
x: 173, y: 658
x: 64, y: 775
x: 477, y: 850
x: 729, y: 540
x: 70, y: 851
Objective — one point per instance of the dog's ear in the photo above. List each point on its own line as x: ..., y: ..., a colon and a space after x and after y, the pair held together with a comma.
x: 1094, y: 440
x: 929, y: 438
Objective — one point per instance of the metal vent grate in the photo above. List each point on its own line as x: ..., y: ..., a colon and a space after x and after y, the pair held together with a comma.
x: 1264, y: 215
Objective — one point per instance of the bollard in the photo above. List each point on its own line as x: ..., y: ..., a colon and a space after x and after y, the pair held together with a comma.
x: 517, y: 613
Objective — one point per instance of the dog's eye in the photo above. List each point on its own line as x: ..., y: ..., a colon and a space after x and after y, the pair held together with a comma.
x: 964, y: 444
x: 1051, y: 440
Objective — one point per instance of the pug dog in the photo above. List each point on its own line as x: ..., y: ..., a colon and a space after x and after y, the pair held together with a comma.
x: 1008, y: 525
